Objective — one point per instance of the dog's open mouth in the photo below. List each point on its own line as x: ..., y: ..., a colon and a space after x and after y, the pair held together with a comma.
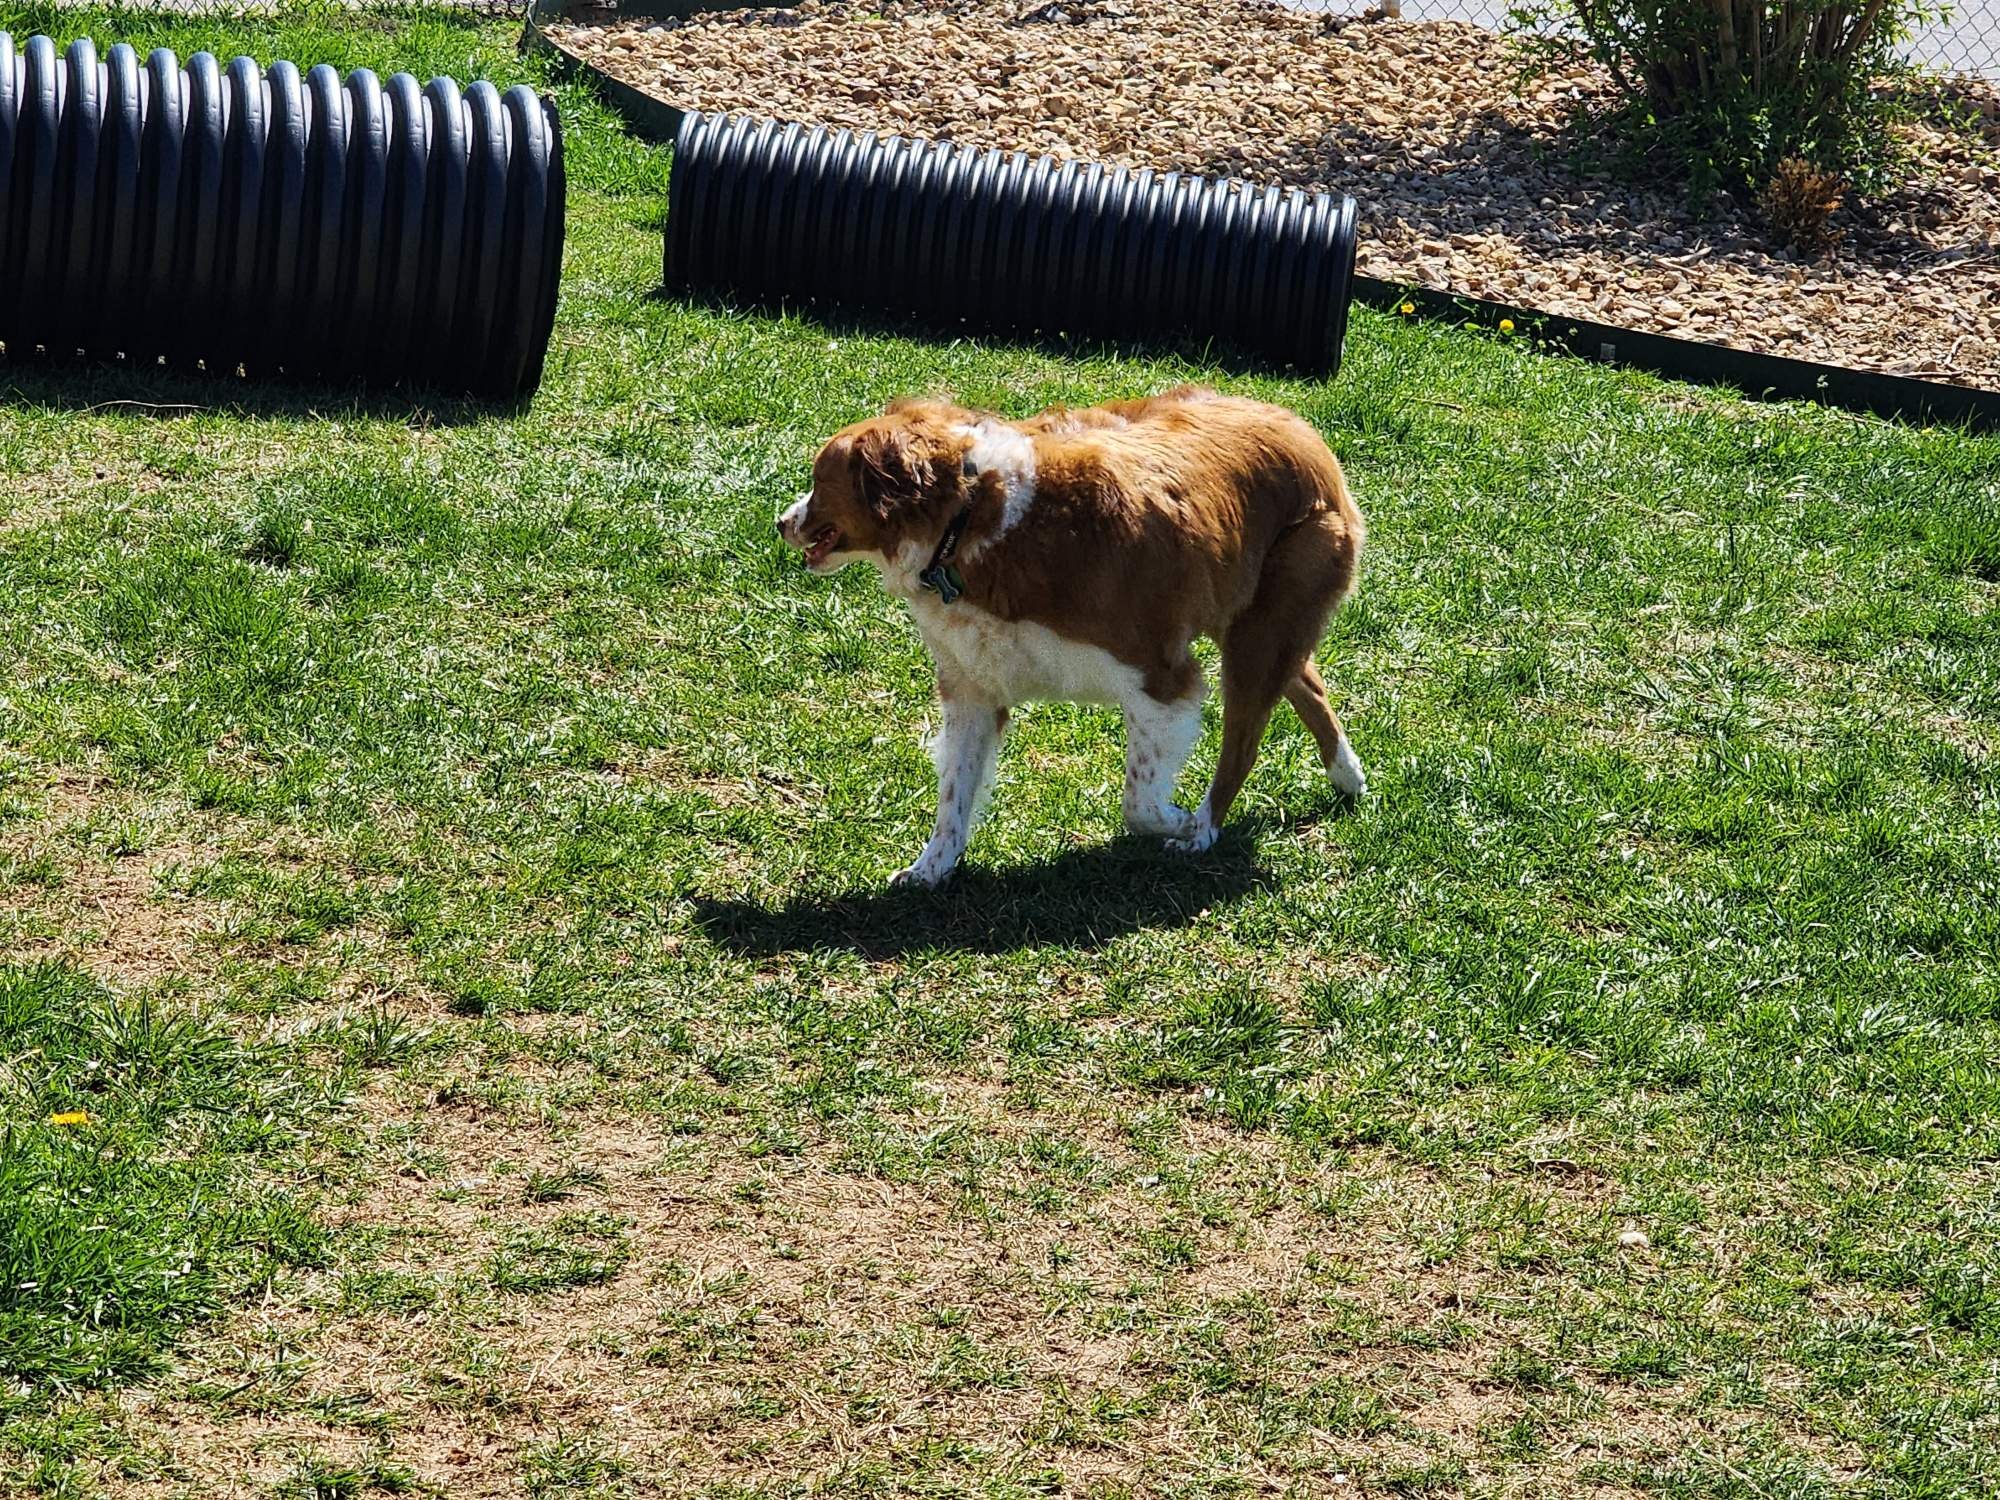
x: 824, y: 544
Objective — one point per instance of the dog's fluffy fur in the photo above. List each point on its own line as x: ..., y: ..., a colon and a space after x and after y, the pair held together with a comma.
x: 1097, y: 546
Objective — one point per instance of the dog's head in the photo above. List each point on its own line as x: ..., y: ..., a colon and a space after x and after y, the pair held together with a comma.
x: 883, y: 490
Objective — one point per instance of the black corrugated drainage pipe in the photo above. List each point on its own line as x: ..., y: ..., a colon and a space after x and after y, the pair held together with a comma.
x: 236, y: 217
x: 1003, y: 241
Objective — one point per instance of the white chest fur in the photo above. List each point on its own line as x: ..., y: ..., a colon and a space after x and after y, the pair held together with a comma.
x: 1005, y: 662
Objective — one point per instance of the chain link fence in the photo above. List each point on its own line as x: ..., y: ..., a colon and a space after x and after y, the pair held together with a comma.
x: 1965, y: 40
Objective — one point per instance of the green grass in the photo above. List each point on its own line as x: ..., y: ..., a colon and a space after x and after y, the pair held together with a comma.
x: 129, y: 1201
x: 445, y: 852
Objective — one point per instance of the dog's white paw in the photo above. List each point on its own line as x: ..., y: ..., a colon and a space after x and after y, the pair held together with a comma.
x: 1196, y: 840
x: 1164, y: 820
x: 1345, y: 773
x: 924, y: 875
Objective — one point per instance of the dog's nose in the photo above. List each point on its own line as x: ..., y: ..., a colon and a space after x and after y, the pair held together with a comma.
x: 781, y: 528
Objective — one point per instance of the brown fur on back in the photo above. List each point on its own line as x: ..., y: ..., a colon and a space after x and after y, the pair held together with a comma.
x: 1151, y: 519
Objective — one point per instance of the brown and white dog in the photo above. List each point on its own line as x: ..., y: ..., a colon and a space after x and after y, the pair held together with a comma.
x: 1076, y: 556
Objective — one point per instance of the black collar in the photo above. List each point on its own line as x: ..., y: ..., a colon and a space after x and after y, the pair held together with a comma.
x: 941, y: 578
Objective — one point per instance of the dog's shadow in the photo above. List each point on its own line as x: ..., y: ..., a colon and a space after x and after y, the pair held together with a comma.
x: 1084, y: 899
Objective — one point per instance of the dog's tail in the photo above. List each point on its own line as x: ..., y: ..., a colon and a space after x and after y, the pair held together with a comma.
x: 1328, y: 516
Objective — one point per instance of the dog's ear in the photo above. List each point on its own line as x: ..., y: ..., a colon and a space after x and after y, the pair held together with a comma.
x: 892, y: 468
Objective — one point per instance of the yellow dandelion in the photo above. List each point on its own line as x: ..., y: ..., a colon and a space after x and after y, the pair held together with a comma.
x: 1506, y: 325
x: 1408, y: 308
x: 71, y: 1117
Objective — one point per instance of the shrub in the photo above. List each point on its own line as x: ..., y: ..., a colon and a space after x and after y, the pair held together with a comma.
x: 1799, y: 203
x: 1729, y: 89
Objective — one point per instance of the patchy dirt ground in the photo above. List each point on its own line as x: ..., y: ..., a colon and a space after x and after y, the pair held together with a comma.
x: 150, y: 894
x: 1464, y: 184
x: 710, y: 1325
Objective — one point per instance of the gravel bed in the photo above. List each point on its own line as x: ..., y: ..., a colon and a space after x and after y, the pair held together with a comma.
x: 1464, y: 183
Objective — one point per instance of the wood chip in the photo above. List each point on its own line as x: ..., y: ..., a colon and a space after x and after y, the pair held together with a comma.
x: 1461, y: 181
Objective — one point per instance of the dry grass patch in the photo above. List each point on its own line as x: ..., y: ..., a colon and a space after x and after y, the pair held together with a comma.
x: 117, y: 881
x: 524, y: 1282
x: 87, y: 882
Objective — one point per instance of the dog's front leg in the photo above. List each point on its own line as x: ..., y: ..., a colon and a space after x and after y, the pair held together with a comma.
x: 966, y: 749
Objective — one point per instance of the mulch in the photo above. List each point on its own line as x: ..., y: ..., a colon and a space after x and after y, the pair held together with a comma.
x: 1464, y: 168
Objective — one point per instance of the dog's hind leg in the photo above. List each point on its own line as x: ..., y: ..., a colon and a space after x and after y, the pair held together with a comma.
x: 1307, y: 694
x: 1159, y: 734
x: 966, y: 749
x: 1251, y: 685
x: 1267, y: 653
